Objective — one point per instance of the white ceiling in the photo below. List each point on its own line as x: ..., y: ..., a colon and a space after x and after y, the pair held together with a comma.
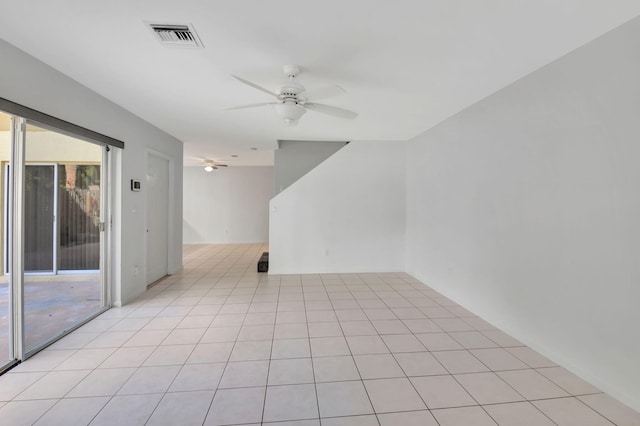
x: 406, y: 65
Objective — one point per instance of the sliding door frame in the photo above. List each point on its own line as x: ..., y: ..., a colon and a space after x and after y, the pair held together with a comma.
x: 16, y: 234
x: 15, y: 222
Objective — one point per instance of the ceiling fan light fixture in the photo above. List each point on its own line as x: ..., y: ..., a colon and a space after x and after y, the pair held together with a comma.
x: 208, y: 168
x: 290, y: 112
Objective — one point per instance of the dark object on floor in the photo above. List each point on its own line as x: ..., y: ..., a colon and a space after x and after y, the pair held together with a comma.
x: 263, y: 263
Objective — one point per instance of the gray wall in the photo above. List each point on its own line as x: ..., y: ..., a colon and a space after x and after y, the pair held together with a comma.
x: 27, y: 81
x: 525, y: 208
x: 295, y: 159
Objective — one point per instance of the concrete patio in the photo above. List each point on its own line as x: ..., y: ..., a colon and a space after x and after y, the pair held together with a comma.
x: 53, y: 303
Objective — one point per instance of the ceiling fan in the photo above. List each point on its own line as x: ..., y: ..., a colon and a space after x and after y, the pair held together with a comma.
x: 293, y: 100
x: 210, y: 165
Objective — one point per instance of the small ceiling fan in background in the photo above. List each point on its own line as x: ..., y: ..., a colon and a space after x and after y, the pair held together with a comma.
x: 210, y: 165
x: 293, y: 100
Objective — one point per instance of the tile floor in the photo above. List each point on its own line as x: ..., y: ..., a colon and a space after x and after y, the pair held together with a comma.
x: 219, y: 344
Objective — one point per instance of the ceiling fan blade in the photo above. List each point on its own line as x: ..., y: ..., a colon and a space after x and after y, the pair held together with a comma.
x: 324, y: 93
x: 255, y: 86
x: 331, y: 110
x: 220, y: 165
x: 248, y: 106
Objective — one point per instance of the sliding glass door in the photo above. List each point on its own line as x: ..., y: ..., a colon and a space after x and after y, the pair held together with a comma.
x: 52, y: 277
x: 62, y: 234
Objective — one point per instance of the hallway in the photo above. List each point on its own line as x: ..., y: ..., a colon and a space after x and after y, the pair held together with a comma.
x: 220, y: 344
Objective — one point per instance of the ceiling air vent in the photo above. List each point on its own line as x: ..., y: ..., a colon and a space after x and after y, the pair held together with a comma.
x: 176, y: 35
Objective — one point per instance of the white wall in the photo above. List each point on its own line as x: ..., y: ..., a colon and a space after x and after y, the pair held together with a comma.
x: 294, y: 159
x: 346, y: 215
x: 29, y: 82
x: 525, y: 208
x: 228, y: 205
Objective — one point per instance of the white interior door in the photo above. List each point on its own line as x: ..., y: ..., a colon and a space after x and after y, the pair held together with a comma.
x: 157, y: 190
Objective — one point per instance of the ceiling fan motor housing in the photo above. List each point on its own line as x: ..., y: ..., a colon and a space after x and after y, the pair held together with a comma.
x: 291, y: 89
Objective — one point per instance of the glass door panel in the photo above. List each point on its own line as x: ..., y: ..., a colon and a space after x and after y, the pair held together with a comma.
x: 62, y: 281
x: 79, y: 217
x: 39, y: 217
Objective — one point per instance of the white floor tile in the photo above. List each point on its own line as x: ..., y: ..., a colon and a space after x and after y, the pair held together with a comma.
x: 251, y: 351
x: 530, y: 357
x: 498, y: 359
x: 518, y: 413
x: 245, y: 374
x: 367, y: 420
x: 389, y: 395
x: 613, y: 410
x: 290, y: 371
x: 150, y: 380
x: 220, y: 334
x: 184, y: 336
x: 531, y: 384
x: 367, y: 345
x: 169, y: 355
x: 403, y: 343
x: 44, y: 361
x: 11, y: 383
x: 198, y: 377
x: 381, y: 366
x: 128, y: 357
x: 457, y: 362
x: 236, y: 406
x: 473, y: 340
x: 73, y: 412
x: 182, y: 408
x: 210, y: 353
x: 85, y: 359
x: 103, y: 382
x: 475, y: 416
x: 568, y: 381
x: 19, y: 413
x: 291, y: 402
x: 419, y: 364
x: 256, y: 332
x: 329, y: 346
x: 55, y: 384
x: 128, y: 410
x: 488, y: 388
x: 290, y: 348
x: 571, y: 412
x: 438, y: 342
x: 408, y: 418
x: 442, y: 392
x: 325, y: 329
x: 147, y: 338
x: 334, y: 369
x: 343, y: 399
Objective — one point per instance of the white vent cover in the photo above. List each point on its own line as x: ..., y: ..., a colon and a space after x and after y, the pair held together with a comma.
x: 175, y: 35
